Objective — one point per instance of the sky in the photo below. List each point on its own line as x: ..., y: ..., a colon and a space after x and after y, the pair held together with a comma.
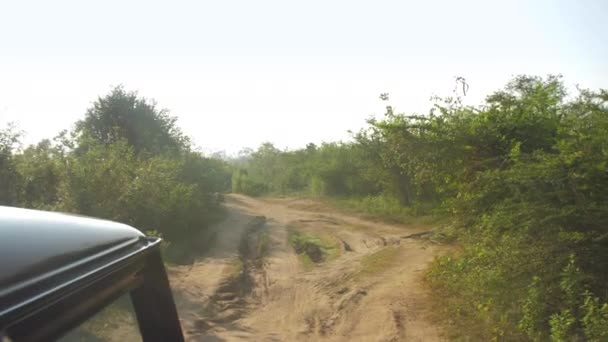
x: 239, y: 73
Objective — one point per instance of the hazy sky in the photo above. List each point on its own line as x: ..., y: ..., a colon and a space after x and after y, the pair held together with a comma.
x: 237, y: 73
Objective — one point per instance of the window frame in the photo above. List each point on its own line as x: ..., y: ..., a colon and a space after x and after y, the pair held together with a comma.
x: 141, y: 273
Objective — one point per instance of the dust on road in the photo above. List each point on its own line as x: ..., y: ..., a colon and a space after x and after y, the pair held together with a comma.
x: 251, y: 285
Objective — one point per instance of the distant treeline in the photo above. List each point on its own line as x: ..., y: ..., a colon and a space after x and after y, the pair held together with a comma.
x: 523, y: 181
x: 125, y: 160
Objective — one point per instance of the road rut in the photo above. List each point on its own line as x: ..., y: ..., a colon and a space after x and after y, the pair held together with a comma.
x: 251, y: 285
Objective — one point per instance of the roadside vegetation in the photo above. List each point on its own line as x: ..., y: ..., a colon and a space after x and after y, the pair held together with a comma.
x: 313, y: 248
x: 520, y: 181
x: 125, y: 160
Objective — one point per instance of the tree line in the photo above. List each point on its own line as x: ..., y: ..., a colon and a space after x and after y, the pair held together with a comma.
x: 522, y: 181
x: 126, y: 160
x: 520, y: 184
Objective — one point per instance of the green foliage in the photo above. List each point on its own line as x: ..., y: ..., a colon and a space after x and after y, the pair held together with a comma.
x: 313, y: 248
x: 41, y: 169
x: 522, y: 178
x: 170, y: 194
x: 561, y: 325
x: 595, y: 318
x: 127, y: 161
x: 386, y: 208
x: 122, y: 115
x: 572, y: 283
x: 333, y: 169
x: 533, y: 311
x: 242, y: 183
x: 9, y: 177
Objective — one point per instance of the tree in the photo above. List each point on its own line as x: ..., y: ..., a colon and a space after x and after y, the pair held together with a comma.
x: 123, y: 115
x: 40, y: 168
x: 9, y: 178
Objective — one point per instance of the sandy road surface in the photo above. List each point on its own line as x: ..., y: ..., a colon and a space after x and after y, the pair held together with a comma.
x: 253, y: 286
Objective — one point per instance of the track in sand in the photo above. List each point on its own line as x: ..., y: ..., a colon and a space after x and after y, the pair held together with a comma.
x: 252, y: 285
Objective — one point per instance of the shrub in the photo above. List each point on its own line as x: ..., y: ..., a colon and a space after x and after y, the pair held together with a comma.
x: 595, y: 318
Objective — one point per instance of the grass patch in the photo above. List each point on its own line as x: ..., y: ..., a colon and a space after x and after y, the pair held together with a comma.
x: 313, y: 248
x: 379, y: 261
x: 234, y: 269
x: 379, y: 208
x: 384, y: 209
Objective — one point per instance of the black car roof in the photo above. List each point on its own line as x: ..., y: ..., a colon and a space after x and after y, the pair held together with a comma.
x: 35, y: 244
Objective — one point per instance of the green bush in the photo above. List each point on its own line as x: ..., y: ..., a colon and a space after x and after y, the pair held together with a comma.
x: 561, y: 325
x: 522, y: 180
x: 595, y: 318
x: 127, y: 161
x: 242, y: 183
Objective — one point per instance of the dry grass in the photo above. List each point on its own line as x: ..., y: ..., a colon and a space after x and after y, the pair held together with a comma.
x: 379, y: 261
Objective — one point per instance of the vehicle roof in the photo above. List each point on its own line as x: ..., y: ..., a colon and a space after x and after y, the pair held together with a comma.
x: 34, y: 243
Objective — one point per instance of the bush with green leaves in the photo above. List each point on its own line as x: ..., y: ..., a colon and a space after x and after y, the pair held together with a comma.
x: 126, y: 161
x: 542, y: 182
x: 595, y: 318
x: 522, y: 178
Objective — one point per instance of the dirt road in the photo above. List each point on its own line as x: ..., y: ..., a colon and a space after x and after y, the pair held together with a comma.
x: 252, y: 285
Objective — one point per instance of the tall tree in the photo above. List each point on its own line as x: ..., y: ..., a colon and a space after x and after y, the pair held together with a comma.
x: 123, y: 115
